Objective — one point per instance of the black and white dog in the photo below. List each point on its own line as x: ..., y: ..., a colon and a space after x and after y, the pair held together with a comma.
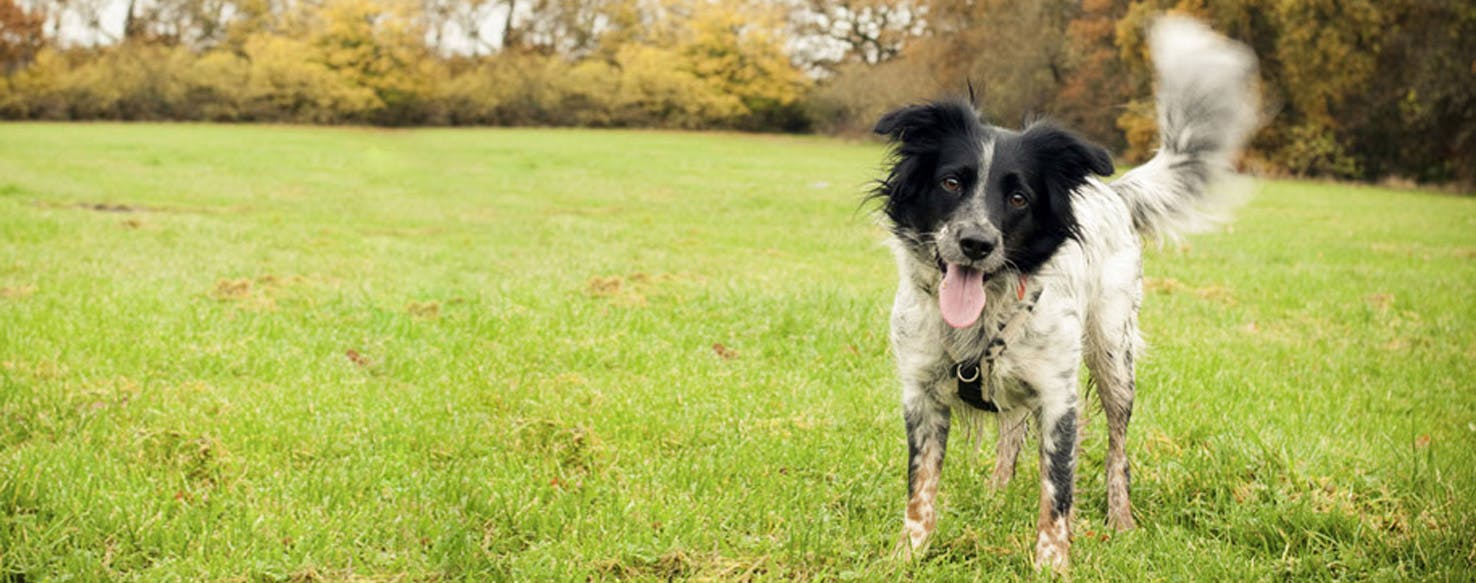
x: 1017, y: 264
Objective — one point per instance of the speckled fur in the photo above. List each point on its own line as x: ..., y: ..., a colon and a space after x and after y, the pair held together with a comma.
x: 1080, y: 301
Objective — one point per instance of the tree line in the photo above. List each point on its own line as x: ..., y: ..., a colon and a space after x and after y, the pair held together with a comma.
x: 1359, y: 89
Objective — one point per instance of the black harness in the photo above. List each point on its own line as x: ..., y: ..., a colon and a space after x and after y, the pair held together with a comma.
x: 970, y: 374
x: 971, y: 386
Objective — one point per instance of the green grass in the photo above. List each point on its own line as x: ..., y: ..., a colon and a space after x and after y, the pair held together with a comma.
x: 265, y: 353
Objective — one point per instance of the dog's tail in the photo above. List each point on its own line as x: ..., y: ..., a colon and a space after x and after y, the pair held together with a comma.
x: 1207, y: 108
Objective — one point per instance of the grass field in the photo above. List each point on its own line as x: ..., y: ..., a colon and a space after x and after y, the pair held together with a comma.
x: 268, y: 353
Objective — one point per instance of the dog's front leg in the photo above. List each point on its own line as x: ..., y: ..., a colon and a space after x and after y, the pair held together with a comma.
x: 927, y: 438
x: 1057, y: 417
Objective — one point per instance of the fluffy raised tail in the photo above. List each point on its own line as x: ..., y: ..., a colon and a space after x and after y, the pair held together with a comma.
x: 1207, y: 108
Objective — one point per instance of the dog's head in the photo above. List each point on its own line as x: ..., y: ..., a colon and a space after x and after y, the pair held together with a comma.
x: 981, y: 199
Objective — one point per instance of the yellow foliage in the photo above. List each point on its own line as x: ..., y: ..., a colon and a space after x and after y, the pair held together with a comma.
x: 668, y: 63
x: 1326, y: 64
x: 128, y: 82
x: 217, y: 81
x: 738, y: 49
x: 471, y: 97
x: 34, y: 92
x: 653, y: 91
x: 282, y: 84
x: 375, y: 42
x: 1139, y: 126
x: 701, y: 63
x: 524, y: 87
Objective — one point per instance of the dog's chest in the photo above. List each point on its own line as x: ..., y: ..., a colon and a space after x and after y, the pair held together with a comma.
x: 1003, y: 326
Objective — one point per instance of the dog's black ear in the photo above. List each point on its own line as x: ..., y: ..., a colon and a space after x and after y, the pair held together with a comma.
x: 896, y: 123
x: 1066, y: 158
x: 923, y: 124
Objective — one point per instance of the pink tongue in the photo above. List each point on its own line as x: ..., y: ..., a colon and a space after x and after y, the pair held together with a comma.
x: 961, y: 298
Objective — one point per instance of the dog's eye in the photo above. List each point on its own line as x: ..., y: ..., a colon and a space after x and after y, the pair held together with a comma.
x: 1018, y: 200
x: 951, y: 184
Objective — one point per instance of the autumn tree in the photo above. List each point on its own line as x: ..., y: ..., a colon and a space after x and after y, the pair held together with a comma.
x: 837, y: 32
x: 565, y: 27
x: 1093, y: 86
x: 22, y: 34
x: 379, y: 46
x: 193, y: 23
x: 1417, y: 117
x: 1013, y: 54
x: 739, y: 52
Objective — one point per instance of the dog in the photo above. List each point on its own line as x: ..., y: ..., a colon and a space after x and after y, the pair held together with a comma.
x: 1017, y: 263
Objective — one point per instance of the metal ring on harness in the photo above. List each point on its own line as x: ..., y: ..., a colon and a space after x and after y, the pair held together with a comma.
x: 960, y: 372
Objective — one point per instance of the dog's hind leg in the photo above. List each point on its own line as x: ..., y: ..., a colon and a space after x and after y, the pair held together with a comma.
x: 1007, y: 449
x: 1116, y: 390
x: 1114, y: 336
x: 927, y: 438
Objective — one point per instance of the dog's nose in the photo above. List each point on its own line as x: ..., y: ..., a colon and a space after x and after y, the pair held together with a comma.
x: 976, y: 244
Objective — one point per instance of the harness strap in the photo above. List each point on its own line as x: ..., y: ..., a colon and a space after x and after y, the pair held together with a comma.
x: 971, y: 386
x: 970, y: 375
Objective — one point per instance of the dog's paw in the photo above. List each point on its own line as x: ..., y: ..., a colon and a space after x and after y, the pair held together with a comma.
x: 1058, y: 563
x: 910, y: 547
x: 1054, y: 554
x: 1122, y: 521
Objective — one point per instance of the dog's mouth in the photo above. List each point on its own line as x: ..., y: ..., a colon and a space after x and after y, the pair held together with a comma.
x: 961, y: 294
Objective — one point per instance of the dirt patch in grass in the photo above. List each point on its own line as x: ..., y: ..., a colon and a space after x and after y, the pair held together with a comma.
x: 426, y: 310
x: 259, y: 293
x: 723, y: 351
x: 357, y: 358
x: 132, y: 208
x: 1168, y: 285
x: 615, y: 289
x: 573, y: 447
x: 17, y: 292
x: 200, y: 457
x: 630, y: 290
x: 232, y: 289
x: 680, y: 564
